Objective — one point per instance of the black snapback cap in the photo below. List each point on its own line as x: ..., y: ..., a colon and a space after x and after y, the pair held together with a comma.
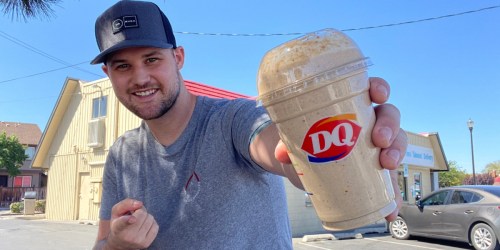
x: 132, y: 24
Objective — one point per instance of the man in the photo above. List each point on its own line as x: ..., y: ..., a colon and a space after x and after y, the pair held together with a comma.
x: 198, y: 172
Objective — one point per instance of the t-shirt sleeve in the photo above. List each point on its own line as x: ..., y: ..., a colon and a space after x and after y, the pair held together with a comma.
x: 249, y: 119
x: 109, y: 188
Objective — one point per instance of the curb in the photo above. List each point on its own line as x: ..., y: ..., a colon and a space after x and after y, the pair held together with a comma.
x: 355, y: 234
x: 7, y: 215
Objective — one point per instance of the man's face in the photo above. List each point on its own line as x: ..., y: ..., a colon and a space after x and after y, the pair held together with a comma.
x: 146, y: 80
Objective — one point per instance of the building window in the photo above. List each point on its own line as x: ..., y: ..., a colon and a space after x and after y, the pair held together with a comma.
x: 30, y: 152
x: 22, y: 181
x: 99, y: 106
x: 3, y: 180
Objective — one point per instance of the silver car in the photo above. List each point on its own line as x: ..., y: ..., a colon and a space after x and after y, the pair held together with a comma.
x: 462, y: 213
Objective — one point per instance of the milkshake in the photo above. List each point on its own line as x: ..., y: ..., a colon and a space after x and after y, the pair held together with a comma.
x: 315, y: 89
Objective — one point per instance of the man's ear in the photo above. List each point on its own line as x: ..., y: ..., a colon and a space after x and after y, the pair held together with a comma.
x: 179, y: 56
x: 105, y: 69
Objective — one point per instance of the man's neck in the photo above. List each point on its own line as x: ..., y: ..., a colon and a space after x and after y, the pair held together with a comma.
x: 170, y: 126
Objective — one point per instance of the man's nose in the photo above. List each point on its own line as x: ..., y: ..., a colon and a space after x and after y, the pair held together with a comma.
x: 141, y: 76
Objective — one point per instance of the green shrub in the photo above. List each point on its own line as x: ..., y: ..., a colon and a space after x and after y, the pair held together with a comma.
x: 40, y: 206
x: 17, y: 207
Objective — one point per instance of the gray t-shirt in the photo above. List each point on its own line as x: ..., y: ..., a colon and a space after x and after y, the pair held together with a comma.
x: 204, y: 190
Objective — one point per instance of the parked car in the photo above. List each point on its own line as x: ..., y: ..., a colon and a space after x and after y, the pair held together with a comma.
x: 462, y: 213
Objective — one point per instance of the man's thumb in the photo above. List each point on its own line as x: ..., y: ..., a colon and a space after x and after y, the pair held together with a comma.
x: 120, y: 223
x: 125, y: 207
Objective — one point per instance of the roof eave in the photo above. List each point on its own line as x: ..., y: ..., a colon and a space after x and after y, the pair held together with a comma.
x: 55, y: 119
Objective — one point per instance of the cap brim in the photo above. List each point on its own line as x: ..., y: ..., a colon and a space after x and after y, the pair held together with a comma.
x: 128, y: 44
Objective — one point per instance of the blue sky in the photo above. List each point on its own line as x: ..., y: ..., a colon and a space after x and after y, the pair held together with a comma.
x: 442, y: 71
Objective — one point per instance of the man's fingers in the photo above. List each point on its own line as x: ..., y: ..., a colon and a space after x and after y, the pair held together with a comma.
x: 397, y: 193
x: 391, y: 157
x: 144, y: 230
x: 153, y: 231
x: 281, y: 153
x: 145, y: 218
x: 136, y: 230
x: 149, y: 227
x: 124, y: 207
x: 386, y: 127
x: 379, y: 90
x: 122, y: 222
x: 122, y: 214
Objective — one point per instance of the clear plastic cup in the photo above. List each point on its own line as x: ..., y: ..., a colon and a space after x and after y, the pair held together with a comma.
x: 315, y: 89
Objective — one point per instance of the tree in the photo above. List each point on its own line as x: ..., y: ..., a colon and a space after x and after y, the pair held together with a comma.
x: 492, y: 166
x: 12, y: 154
x: 455, y: 176
x: 28, y: 8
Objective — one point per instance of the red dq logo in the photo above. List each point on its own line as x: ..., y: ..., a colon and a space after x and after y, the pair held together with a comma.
x: 331, y: 138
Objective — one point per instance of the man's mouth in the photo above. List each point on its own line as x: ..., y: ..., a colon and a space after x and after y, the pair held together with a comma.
x: 145, y: 92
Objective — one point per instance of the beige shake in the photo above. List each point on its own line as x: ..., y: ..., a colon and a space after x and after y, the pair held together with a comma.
x: 315, y: 88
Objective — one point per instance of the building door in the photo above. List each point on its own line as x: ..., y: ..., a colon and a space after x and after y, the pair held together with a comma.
x: 417, y: 185
x: 84, y: 197
x: 402, y: 185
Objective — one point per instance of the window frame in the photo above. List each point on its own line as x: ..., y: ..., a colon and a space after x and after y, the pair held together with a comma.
x: 99, y: 107
x: 30, y: 154
x: 23, y: 179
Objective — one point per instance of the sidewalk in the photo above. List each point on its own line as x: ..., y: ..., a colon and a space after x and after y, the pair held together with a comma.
x: 5, y: 213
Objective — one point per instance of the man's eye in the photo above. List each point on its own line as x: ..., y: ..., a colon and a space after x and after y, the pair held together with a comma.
x: 122, y: 66
x: 151, y: 60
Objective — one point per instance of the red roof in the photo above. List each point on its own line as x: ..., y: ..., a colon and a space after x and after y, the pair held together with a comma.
x: 205, y: 90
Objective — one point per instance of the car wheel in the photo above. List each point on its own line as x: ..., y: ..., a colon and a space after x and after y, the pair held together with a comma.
x: 399, y: 229
x: 483, y: 237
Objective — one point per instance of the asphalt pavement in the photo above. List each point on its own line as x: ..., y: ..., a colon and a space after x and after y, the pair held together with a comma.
x: 34, y: 232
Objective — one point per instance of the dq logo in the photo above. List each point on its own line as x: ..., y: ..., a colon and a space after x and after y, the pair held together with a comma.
x: 331, y: 138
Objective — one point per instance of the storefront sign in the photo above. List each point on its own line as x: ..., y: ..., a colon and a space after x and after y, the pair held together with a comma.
x: 419, y: 156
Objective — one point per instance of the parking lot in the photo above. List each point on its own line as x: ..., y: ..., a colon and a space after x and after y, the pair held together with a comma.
x: 379, y: 241
x: 21, y: 232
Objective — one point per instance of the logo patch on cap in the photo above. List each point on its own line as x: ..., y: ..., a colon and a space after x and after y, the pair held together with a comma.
x: 124, y: 22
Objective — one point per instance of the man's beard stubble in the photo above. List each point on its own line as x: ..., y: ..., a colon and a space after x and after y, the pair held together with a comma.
x: 165, y: 105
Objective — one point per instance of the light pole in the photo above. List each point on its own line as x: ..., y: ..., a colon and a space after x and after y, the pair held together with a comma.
x: 470, y: 124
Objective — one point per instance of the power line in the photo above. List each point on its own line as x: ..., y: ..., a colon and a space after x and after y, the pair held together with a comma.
x: 40, y: 52
x: 23, y: 44
x: 351, y: 29
x: 37, y: 99
x: 425, y: 19
x: 44, y: 72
